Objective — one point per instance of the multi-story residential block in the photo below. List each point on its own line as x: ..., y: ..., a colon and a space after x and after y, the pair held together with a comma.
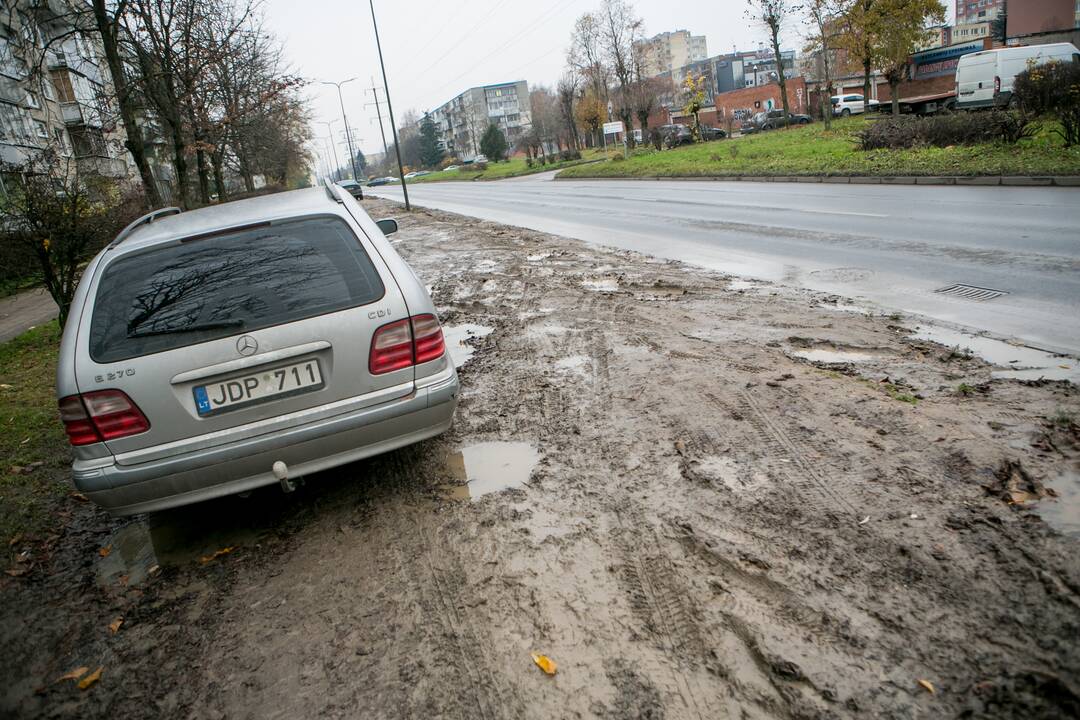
x: 55, y: 91
x: 461, y: 122
x: 734, y: 71
x: 977, y: 11
x: 669, y: 51
x: 971, y: 31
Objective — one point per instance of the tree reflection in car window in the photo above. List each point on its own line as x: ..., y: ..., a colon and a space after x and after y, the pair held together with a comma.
x: 229, y: 283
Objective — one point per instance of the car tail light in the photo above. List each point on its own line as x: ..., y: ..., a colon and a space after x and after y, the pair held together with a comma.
x: 391, y: 348
x: 405, y: 343
x: 101, y: 415
x: 997, y: 85
x: 427, y: 338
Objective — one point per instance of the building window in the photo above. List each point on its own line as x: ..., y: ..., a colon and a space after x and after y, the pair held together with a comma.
x: 32, y: 100
x: 40, y: 130
x: 61, y: 80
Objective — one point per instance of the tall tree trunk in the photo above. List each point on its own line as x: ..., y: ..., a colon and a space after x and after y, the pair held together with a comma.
x: 180, y: 162
x: 775, y: 33
x: 866, y: 83
x: 894, y: 91
x: 204, y: 176
x: 136, y: 146
x: 216, y: 161
x: 628, y: 127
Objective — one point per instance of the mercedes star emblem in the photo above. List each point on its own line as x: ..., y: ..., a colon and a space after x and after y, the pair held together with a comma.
x: 246, y: 345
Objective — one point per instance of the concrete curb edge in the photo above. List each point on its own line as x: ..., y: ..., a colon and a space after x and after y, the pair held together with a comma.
x: 981, y: 180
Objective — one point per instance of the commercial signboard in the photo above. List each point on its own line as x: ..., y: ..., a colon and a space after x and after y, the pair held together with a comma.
x: 613, y: 128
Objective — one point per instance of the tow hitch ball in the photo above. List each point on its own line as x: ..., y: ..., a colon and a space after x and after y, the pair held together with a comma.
x: 281, y: 472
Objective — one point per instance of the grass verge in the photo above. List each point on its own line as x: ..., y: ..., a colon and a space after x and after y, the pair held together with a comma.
x: 513, y: 167
x: 32, y: 443
x: 812, y: 150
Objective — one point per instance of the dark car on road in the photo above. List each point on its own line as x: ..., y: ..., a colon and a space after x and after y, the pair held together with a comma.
x: 353, y: 188
x: 375, y: 182
x: 712, y: 133
x: 675, y: 135
x: 759, y: 122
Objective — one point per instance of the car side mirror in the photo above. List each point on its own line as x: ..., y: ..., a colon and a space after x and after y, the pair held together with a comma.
x: 387, y: 225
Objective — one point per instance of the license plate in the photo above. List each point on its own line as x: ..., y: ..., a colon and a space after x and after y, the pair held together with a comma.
x: 250, y: 389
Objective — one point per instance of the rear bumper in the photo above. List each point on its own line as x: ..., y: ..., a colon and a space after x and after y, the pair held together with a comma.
x: 241, y: 466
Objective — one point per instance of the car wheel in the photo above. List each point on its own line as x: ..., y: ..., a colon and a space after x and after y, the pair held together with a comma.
x: 845, y: 112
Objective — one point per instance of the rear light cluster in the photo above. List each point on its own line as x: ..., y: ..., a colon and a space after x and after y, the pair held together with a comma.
x: 405, y: 343
x: 101, y: 415
x: 997, y: 85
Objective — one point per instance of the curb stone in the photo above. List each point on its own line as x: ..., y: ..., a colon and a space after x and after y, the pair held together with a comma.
x: 1010, y: 180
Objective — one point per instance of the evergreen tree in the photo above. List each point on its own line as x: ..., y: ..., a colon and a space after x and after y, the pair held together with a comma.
x: 430, y: 152
x: 493, y: 144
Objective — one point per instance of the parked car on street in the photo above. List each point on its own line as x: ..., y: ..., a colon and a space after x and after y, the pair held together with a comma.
x: 450, y: 167
x: 711, y: 133
x: 772, y: 119
x: 985, y: 79
x: 676, y: 134
x: 244, y: 344
x: 851, y: 104
x: 353, y: 188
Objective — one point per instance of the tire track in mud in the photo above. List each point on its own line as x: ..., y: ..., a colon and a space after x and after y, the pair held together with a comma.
x: 434, y: 585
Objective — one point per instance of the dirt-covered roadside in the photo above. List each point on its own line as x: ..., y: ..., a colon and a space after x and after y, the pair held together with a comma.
x: 714, y: 527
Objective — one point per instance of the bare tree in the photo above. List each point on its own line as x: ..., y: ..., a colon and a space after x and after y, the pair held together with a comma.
x: 568, y: 92
x: 586, y: 55
x: 820, y: 46
x: 620, y: 29
x: 774, y: 15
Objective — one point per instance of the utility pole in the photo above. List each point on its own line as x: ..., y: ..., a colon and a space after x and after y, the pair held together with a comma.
x: 344, y: 119
x: 330, y: 132
x: 389, y: 107
x: 378, y: 113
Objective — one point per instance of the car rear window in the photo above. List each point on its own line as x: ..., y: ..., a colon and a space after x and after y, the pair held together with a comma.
x: 228, y: 283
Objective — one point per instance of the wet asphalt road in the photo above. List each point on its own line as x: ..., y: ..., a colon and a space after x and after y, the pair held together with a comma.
x: 891, y: 246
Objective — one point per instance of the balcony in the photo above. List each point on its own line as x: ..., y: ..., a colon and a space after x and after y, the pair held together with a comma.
x: 72, y: 113
x: 104, y: 166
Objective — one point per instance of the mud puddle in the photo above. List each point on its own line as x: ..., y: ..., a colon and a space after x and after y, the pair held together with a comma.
x: 1063, y: 512
x: 457, y: 341
x: 489, y: 467
x: 828, y: 356
x: 1023, y: 363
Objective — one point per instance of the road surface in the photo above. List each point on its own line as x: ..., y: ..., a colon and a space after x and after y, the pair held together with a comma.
x: 895, y: 247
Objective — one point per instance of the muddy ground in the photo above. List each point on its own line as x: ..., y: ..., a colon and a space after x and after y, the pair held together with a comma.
x: 726, y: 500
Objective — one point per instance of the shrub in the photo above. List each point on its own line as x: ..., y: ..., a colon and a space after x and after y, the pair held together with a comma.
x: 570, y: 155
x: 944, y: 130
x: 656, y: 138
x: 448, y: 161
x: 618, y: 158
x: 529, y: 162
x: 1052, y: 90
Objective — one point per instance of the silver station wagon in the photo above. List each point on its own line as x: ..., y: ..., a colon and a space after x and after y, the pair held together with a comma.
x: 213, y: 351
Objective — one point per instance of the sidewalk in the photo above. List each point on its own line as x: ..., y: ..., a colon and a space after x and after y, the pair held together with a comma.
x: 19, y: 313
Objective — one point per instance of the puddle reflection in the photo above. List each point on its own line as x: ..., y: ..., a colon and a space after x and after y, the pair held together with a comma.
x: 489, y: 467
x: 1063, y: 512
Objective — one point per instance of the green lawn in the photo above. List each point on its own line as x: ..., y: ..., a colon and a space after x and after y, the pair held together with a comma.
x: 811, y: 150
x: 30, y: 433
x: 497, y: 171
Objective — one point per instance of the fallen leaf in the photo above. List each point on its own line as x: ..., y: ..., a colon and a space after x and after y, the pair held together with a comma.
x: 90, y: 679
x: 154, y: 570
x: 1064, y: 367
x: 19, y: 570
x: 15, y: 539
x: 74, y: 674
x: 216, y: 554
x: 928, y: 686
x: 115, y: 624
x: 104, y: 552
x: 79, y: 496
x: 545, y: 663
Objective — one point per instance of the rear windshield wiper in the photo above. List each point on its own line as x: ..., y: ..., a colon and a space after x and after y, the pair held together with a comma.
x: 235, y: 323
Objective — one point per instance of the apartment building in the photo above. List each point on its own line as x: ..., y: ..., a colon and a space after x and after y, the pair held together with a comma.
x: 977, y: 11
x: 669, y: 51
x: 55, y: 91
x: 461, y: 122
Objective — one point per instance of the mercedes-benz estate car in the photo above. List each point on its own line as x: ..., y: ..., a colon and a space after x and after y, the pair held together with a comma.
x: 213, y: 351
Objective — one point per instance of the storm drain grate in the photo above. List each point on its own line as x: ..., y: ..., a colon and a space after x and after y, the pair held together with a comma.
x: 971, y: 292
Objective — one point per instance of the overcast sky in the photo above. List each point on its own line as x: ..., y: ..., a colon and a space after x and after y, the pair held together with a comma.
x: 435, y: 49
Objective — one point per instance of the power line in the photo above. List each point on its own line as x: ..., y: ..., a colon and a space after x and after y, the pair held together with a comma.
x: 465, y: 36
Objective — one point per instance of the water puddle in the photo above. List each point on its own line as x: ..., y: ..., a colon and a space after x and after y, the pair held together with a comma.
x: 601, y: 284
x: 489, y: 467
x: 1063, y: 512
x: 538, y: 256
x: 1022, y: 363
x: 139, y: 549
x: 574, y: 363
x: 457, y: 341
x: 823, y: 355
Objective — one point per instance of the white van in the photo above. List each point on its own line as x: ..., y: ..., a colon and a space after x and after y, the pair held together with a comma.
x: 985, y: 79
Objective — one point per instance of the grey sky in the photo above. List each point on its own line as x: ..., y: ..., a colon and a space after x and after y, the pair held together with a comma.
x: 436, y: 49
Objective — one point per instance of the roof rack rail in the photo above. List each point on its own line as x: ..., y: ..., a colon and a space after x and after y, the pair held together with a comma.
x: 332, y: 191
x: 144, y: 220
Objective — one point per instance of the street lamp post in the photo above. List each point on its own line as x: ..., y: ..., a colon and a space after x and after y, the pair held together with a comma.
x: 348, y: 135
x: 333, y: 145
x: 389, y: 107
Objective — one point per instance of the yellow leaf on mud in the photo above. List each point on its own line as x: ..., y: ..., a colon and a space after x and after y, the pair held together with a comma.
x: 74, y: 674
x: 104, y: 552
x: 115, y: 624
x: 216, y: 554
x: 545, y: 663
x: 928, y: 686
x: 90, y: 679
